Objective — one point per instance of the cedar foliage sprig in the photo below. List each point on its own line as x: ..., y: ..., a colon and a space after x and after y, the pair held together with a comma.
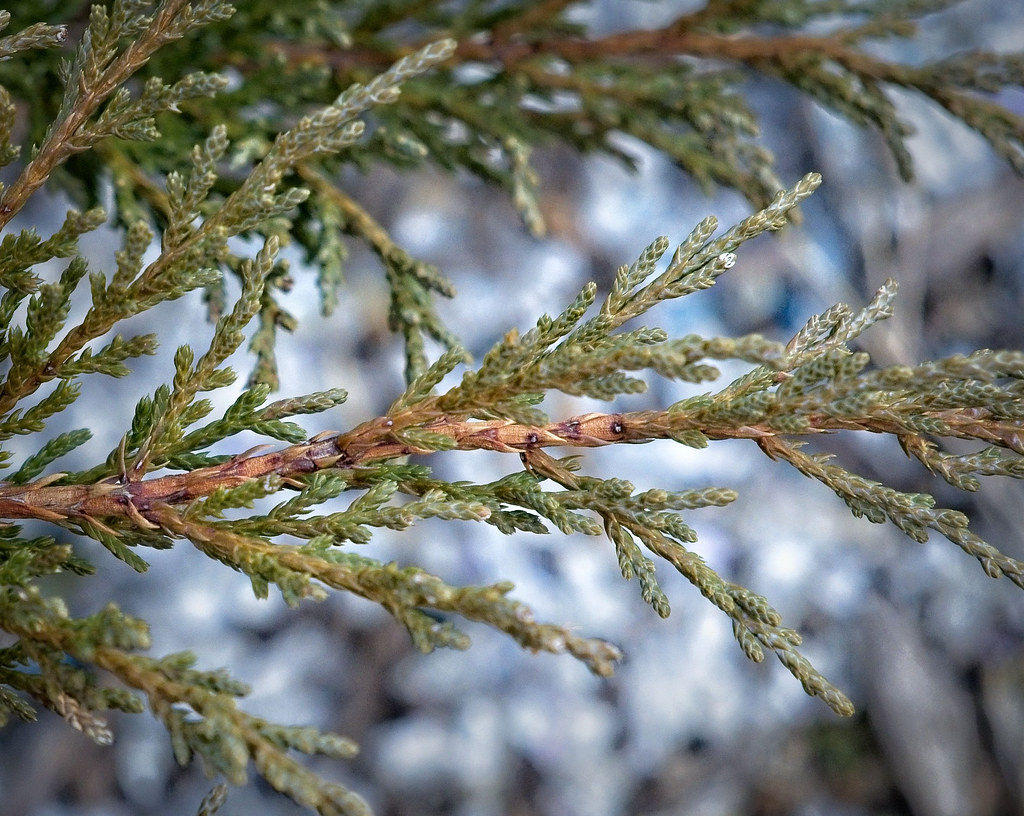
x: 523, y: 74
x: 475, y: 87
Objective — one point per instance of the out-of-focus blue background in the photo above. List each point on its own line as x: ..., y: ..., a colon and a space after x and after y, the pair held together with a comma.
x: 927, y: 646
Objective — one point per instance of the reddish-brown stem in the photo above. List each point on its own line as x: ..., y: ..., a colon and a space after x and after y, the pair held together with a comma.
x: 662, y: 45
x: 380, y: 439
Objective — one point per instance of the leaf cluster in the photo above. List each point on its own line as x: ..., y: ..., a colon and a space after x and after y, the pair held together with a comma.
x: 523, y: 75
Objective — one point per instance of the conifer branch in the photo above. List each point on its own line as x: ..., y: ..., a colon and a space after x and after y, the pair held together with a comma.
x: 198, y: 709
x: 472, y: 88
x: 375, y: 441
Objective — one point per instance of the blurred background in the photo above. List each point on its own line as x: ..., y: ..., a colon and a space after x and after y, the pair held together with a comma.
x: 930, y: 650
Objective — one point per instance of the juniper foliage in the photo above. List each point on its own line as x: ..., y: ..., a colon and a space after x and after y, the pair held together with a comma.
x: 195, y: 123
